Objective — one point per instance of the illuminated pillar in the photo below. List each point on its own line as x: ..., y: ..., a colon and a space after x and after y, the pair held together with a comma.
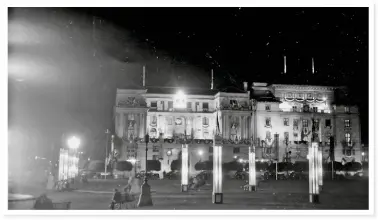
x: 252, y: 169
x: 217, y: 196
x: 320, y: 167
x: 313, y: 172
x: 184, y: 168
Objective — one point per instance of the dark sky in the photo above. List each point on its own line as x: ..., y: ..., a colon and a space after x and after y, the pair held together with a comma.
x: 64, y: 71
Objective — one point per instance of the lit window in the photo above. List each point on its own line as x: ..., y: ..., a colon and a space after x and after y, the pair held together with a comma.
x: 305, y: 123
x: 347, y: 109
x: 286, y: 122
x: 348, y: 139
x: 267, y: 122
x: 347, y: 123
x: 267, y: 107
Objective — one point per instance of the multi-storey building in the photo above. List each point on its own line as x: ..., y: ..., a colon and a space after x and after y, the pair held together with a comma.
x: 288, y: 116
x: 278, y: 119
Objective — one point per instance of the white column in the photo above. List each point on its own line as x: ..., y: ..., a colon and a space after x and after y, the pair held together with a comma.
x: 252, y: 169
x: 313, y: 172
x: 184, y: 168
x: 217, y: 196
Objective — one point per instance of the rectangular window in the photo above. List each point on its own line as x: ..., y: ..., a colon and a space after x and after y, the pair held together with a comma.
x: 189, y: 105
x: 295, y: 135
x: 328, y: 122
x: 162, y: 105
x: 268, y: 122
x: 205, y: 106
x: 295, y: 108
x: 286, y: 122
x: 347, y: 123
x: 153, y: 119
x: 211, y: 157
x: 155, y: 149
x: 347, y: 109
x: 348, y: 139
x: 233, y: 102
x: 295, y: 123
x: 210, y: 149
x: 155, y: 157
x: 236, y: 150
x: 170, y: 105
x: 286, y: 136
x: 315, y: 109
x: 267, y: 107
x: 169, y: 119
x: 268, y: 135
x: 154, y: 104
x: 205, y: 121
x: 305, y: 123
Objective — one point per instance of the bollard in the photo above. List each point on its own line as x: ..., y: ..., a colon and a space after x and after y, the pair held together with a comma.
x: 145, y: 197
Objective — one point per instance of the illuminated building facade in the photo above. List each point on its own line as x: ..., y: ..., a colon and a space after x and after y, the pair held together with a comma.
x: 277, y: 118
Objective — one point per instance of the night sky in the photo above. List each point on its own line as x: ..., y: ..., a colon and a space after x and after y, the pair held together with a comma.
x: 64, y: 71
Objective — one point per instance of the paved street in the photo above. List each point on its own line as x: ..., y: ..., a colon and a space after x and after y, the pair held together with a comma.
x: 351, y: 194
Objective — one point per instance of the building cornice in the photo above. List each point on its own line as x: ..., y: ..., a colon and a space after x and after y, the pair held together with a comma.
x: 303, y: 87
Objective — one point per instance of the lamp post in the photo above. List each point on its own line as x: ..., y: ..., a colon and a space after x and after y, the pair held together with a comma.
x: 147, y: 140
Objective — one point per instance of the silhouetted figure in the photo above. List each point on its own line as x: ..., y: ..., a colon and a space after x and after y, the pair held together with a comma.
x: 43, y: 203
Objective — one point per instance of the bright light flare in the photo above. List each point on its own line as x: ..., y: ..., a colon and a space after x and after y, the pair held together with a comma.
x: 73, y: 142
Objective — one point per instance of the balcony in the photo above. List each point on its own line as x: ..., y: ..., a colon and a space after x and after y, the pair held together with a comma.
x: 235, y: 107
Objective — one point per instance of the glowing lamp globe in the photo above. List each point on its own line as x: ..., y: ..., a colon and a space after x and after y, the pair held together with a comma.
x: 73, y: 142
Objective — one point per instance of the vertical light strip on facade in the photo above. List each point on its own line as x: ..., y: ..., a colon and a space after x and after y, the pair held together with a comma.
x: 252, y: 167
x: 184, y: 165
